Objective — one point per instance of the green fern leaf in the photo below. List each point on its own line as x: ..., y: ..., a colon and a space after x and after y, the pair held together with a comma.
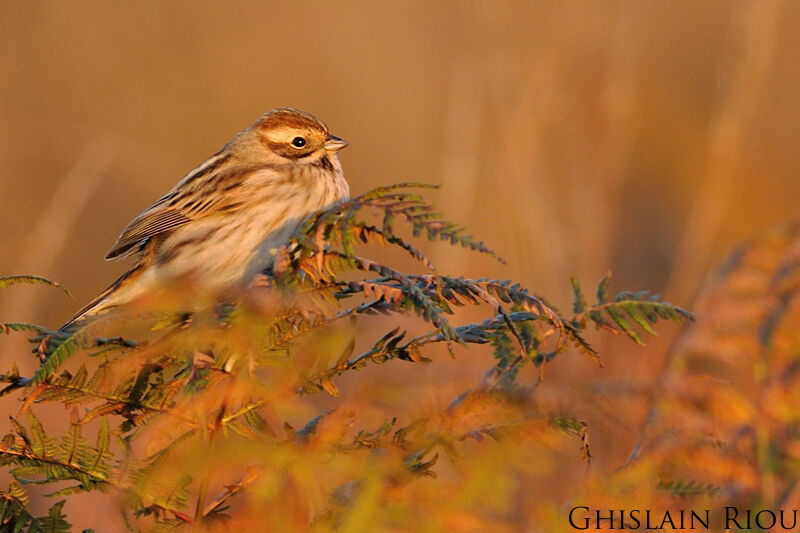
x: 688, y: 489
x: 625, y: 326
x: 42, y: 445
x: 98, y: 466
x: 579, y: 304
x: 7, y: 327
x: 66, y: 346
x: 637, y: 315
x: 56, y: 520
x: 602, y: 289
x: 8, y: 281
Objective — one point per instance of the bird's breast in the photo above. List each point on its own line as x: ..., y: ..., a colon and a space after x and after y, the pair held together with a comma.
x: 229, y: 248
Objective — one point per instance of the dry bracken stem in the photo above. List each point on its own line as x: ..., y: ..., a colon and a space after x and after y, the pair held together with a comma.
x: 232, y: 490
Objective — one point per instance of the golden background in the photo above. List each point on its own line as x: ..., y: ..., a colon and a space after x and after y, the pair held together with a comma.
x: 645, y: 138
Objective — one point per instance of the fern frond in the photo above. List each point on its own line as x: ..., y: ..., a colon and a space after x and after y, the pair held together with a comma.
x: 50, y: 467
x: 684, y: 489
x: 14, y: 511
x: 57, y: 346
x: 8, y: 281
x: 8, y: 327
x: 55, y: 349
x: 574, y: 426
x: 579, y: 304
x: 338, y: 226
x: 38, y: 456
x: 628, y: 308
x: 390, y: 347
x: 15, y: 515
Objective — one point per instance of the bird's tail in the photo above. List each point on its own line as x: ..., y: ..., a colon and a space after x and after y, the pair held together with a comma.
x: 105, y: 301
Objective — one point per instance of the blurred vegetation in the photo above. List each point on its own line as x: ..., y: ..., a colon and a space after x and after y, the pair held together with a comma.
x: 647, y: 138
x: 723, y: 429
x: 200, y: 409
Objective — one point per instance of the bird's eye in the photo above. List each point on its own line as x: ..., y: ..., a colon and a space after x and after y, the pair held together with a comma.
x: 298, y: 142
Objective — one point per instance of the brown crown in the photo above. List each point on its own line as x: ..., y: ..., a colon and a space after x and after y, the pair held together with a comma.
x: 287, y: 116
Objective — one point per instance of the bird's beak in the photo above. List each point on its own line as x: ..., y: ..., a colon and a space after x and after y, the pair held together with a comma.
x: 334, y: 144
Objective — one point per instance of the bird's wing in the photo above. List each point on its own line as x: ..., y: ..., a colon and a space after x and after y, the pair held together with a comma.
x: 161, y: 217
x: 156, y: 219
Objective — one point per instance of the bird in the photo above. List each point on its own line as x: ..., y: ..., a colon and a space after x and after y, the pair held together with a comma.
x: 224, y: 222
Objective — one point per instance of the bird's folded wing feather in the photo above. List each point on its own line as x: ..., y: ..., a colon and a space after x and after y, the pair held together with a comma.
x: 161, y: 216
x: 153, y: 221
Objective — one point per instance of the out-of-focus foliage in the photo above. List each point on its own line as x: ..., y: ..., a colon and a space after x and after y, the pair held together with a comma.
x: 213, y: 418
x: 724, y: 430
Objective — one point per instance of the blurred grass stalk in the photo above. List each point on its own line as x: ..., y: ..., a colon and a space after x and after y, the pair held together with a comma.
x: 751, y: 48
x: 56, y: 220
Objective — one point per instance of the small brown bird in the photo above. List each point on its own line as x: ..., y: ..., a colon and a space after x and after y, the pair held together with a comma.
x: 224, y: 221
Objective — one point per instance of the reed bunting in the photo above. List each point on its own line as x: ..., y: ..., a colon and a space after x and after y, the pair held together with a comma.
x: 224, y: 221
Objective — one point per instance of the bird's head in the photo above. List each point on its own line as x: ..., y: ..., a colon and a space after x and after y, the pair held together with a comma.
x: 297, y: 136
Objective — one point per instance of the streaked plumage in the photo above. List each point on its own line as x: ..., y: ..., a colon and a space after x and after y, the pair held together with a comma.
x: 223, y: 222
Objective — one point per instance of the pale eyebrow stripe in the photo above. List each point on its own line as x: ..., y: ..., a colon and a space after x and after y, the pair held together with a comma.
x: 282, y: 134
